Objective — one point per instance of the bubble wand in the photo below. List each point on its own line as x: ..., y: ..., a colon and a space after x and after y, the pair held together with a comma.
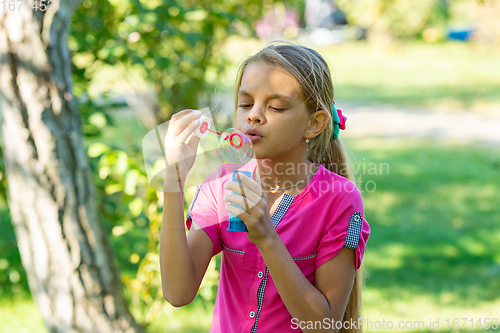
x: 235, y: 146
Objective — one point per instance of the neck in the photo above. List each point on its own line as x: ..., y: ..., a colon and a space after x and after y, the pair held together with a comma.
x: 284, y: 172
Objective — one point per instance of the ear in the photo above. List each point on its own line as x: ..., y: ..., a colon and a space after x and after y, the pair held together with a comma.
x: 317, y: 123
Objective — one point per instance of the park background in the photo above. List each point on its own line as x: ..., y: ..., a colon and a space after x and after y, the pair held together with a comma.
x: 419, y: 82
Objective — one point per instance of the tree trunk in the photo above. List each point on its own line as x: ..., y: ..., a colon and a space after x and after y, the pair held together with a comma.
x: 64, y: 247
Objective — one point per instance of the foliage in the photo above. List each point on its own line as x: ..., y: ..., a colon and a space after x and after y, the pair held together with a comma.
x: 129, y: 208
x: 398, y: 18
x: 13, y: 280
x: 3, y: 181
x: 173, y: 45
x: 298, y: 6
x: 132, y: 211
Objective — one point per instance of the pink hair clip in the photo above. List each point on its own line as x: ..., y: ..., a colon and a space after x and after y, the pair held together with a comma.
x: 342, y: 118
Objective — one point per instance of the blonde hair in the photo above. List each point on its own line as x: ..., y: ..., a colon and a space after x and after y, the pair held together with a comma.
x: 313, y: 76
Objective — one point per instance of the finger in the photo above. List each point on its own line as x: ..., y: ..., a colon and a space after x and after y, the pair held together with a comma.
x: 193, y: 142
x: 241, y: 188
x: 174, y: 122
x: 240, y: 213
x: 187, y: 131
x: 181, y: 124
x: 181, y: 114
x: 178, y: 123
x: 250, y: 183
x: 239, y: 200
x: 244, y: 196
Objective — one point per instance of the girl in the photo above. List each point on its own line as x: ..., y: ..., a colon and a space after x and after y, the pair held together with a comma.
x: 297, y: 267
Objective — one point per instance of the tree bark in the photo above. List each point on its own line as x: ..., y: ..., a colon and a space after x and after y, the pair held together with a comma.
x: 63, y: 245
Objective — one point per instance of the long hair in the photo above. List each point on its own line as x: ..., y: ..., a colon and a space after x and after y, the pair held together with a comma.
x: 313, y: 75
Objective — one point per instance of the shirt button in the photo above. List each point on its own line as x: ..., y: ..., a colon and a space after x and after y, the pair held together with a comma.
x: 260, y: 275
x: 252, y: 314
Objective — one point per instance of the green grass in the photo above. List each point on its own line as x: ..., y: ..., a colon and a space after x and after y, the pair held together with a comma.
x: 450, y: 75
x: 20, y: 316
x: 454, y: 75
x: 194, y: 318
x: 435, y: 238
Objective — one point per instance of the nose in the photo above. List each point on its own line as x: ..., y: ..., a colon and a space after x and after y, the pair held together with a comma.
x: 255, y: 116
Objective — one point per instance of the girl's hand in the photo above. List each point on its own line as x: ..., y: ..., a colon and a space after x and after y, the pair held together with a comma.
x: 181, y: 156
x: 255, y: 214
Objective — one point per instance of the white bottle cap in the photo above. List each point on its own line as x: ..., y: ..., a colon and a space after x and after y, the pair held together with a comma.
x: 202, y: 130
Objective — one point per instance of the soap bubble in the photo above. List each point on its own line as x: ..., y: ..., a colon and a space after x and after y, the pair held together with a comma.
x: 235, y: 147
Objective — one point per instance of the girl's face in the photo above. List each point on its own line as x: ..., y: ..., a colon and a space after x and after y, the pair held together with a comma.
x: 269, y: 101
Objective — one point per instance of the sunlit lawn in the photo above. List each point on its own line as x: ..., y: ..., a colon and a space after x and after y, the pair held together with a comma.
x: 453, y: 75
x: 450, y: 75
x: 435, y: 244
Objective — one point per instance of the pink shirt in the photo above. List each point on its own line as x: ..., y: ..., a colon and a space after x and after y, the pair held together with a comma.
x: 315, y: 225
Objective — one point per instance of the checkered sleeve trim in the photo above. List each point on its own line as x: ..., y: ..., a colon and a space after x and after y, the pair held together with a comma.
x: 188, y: 214
x: 232, y: 250
x: 306, y: 257
x: 282, y: 208
x: 354, y: 231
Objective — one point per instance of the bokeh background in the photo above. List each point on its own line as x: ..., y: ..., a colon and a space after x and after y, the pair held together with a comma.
x: 419, y: 82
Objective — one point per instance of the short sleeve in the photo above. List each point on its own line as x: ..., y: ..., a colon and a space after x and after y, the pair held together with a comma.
x: 345, y: 227
x: 203, y: 212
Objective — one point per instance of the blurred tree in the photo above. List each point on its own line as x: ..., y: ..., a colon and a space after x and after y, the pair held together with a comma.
x: 63, y: 246
x: 3, y: 183
x: 175, y: 47
x: 394, y: 18
x: 487, y: 16
x: 323, y: 14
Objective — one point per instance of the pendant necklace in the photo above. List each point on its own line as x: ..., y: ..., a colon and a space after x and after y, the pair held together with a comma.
x: 277, y: 188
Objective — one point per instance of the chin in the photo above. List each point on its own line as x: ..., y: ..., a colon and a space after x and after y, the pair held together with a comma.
x: 259, y: 154
x: 264, y: 155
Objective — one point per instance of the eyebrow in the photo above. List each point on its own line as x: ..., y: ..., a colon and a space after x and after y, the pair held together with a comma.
x: 278, y: 96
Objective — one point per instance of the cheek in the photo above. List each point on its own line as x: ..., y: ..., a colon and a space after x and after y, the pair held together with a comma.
x: 293, y: 131
x: 239, y: 119
x: 295, y: 125
x: 285, y: 133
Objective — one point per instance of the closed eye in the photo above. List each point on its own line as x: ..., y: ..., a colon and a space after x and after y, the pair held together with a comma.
x: 246, y: 106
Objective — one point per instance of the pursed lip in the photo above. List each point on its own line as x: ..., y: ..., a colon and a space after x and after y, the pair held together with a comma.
x: 254, y: 138
x: 253, y: 132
